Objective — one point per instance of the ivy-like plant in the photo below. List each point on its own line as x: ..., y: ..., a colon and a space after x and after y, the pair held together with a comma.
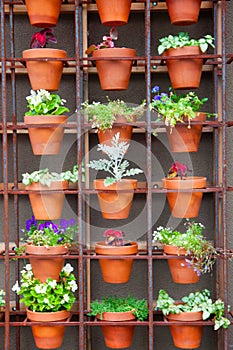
x: 183, y: 39
x: 49, y: 296
x: 139, y: 308
x: 201, y: 254
x: 115, y: 165
x: 197, y: 301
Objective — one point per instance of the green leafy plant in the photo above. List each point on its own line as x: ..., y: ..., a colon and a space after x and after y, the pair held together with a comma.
x: 103, y: 115
x: 115, y: 165
x: 173, y: 108
x: 139, y: 308
x: 42, y: 102
x: 2, y: 300
x: 196, y: 301
x: 201, y: 254
x: 50, y: 295
x: 108, y: 42
x: 45, y: 177
x: 183, y: 39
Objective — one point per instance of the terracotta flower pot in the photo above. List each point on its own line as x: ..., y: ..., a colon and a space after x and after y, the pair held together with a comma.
x: 114, y: 74
x: 186, y: 336
x: 45, y: 267
x: 184, y: 139
x: 183, y: 12
x: 47, y: 204
x: 45, y: 140
x: 48, y: 337
x: 44, y: 74
x: 184, y: 204
x: 180, y: 269
x: 184, y: 73
x: 114, y: 12
x: 118, y: 337
x: 115, y: 204
x: 43, y: 13
x: 116, y: 270
x: 105, y: 136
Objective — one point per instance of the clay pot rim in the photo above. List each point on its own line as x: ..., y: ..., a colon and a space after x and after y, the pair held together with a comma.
x: 175, y: 51
x: 102, y: 52
x: 49, y: 119
x: 188, y: 182
x: 103, y: 249
x: 99, y: 184
x: 177, y: 250
x: 47, y: 316
x: 117, y: 316
x: 37, y: 186
x: 46, y: 250
x: 188, y: 316
x: 45, y: 50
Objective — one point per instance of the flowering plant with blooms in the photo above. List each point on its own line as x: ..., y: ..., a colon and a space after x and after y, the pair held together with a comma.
x: 114, y: 237
x: 201, y: 254
x: 108, y: 42
x: 173, y: 108
x: 49, y: 296
x: 42, y: 102
x: 47, y: 233
x: 42, y: 38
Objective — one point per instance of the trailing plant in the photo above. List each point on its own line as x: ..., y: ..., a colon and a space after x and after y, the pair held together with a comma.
x: 103, y: 115
x: 139, y: 308
x: 114, y: 237
x: 42, y: 38
x: 195, y: 301
x: 108, y: 42
x: 173, y: 108
x: 44, y: 177
x: 49, y: 296
x: 200, y: 253
x: 2, y: 300
x: 183, y: 39
x: 115, y: 165
x: 42, y: 102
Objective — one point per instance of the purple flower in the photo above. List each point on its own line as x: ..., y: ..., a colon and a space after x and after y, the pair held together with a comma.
x: 64, y: 223
x: 164, y: 94
x: 157, y: 98
x: 155, y: 89
x: 41, y: 227
x: 31, y: 222
x: 60, y: 239
x: 72, y: 222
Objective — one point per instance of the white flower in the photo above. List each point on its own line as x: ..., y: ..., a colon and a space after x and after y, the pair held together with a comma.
x: 65, y: 299
x: 52, y: 284
x: 40, y: 289
x: 46, y: 300
x: 16, y: 287
x: 73, y: 285
x: 67, y: 269
x: 27, y: 267
x: 2, y: 292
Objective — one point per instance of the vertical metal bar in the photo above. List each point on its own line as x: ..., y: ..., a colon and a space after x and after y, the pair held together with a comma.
x: 5, y: 181
x: 149, y: 180
x: 79, y: 158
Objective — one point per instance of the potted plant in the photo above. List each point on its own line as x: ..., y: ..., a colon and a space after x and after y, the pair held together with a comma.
x: 45, y: 108
x: 114, y: 13
x: 49, y: 301
x: 196, y: 255
x: 114, y: 309
x: 115, y: 270
x: 47, y: 239
x: 106, y: 117
x: 43, y: 13
x: 46, y: 191
x: 176, y: 110
x: 183, y: 15
x: 183, y: 204
x: 196, y: 306
x: 184, y: 73
x: 114, y: 74
x: 45, y: 73
x: 115, y: 203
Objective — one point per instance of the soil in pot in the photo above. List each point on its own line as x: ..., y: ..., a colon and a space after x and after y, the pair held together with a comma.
x: 118, y: 337
x: 186, y: 336
x: 116, y: 270
x: 44, y: 140
x: 184, y: 204
x: 48, y: 337
x: 184, y: 139
x: 180, y: 269
x: 115, y: 200
x: 114, y: 74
